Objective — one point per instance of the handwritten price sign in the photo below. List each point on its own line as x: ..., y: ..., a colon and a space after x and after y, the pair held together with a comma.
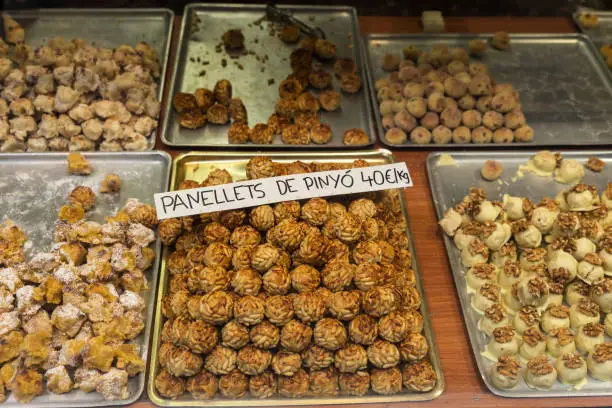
x: 283, y: 188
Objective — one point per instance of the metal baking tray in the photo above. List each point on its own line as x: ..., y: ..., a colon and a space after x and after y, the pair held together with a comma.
x: 196, y: 166
x: 449, y: 184
x: 601, y: 34
x: 34, y: 186
x: 108, y: 27
x: 201, y: 30
x: 564, y: 86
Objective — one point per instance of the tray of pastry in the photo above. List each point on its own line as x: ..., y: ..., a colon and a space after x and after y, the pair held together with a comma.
x: 242, y: 80
x: 462, y: 90
x: 312, y: 336
x: 533, y: 271
x: 78, y: 272
x: 109, y: 66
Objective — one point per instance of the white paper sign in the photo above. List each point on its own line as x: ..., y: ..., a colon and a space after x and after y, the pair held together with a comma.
x: 270, y: 190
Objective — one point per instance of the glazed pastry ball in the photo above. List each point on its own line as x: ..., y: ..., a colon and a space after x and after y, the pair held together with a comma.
x: 471, y: 118
x: 285, y: 363
x: 555, y: 317
x: 324, y: 383
x: 503, y: 342
x: 295, y: 386
x: 540, y: 373
x: 405, y: 121
x: 363, y: 329
x: 505, y: 374
x: 168, y: 385
x: 316, y: 358
x: 583, y: 312
x: 430, y: 120
x: 588, y: 336
x: 386, y: 381
x: 599, y: 362
x: 560, y: 341
x: 413, y: 90
x: 514, y: 120
x: 417, y: 107
x: 571, y: 368
x: 262, y: 385
x: 351, y: 358
x: 451, y: 117
x: 356, y: 384
x: 533, y: 345
x: 295, y: 336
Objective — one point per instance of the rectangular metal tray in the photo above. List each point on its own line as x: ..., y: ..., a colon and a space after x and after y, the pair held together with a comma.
x: 108, y: 27
x: 564, y: 86
x: 34, y: 186
x: 196, y: 166
x: 201, y: 30
x: 601, y: 34
x: 449, y: 184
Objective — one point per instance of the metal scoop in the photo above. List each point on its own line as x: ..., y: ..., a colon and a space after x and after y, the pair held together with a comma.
x: 275, y: 14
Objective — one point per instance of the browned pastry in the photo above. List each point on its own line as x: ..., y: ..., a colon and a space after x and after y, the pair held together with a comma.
x: 168, y: 385
x: 233, y: 39
x: 262, y: 385
x: 296, y: 135
x: 355, y: 137
x: 204, y: 98
x: 307, y: 102
x: 356, y: 384
x: 238, y: 133
x: 325, y: 49
x: 344, y: 66
x: 261, y: 134
x: 296, y: 386
x: 223, y: 92
x: 386, y: 381
x: 320, y: 79
x: 350, y: 83
x: 278, y: 122
x: 110, y: 184
x: 183, y: 101
x: 286, y: 107
x: 290, y: 33
x: 203, y: 386
x: 234, y: 385
x: 321, y: 133
x: 83, y: 196
x: 237, y: 111
x: 218, y: 114
x: 289, y: 88
x: 329, y: 100
x: 324, y: 383
x: 192, y: 118
x: 419, y: 376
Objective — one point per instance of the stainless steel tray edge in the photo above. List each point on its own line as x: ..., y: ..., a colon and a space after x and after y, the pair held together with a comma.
x: 433, y: 352
x: 168, y: 109
x: 600, y: 66
x: 466, y: 306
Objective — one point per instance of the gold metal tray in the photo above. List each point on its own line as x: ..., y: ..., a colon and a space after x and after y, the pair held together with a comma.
x: 196, y: 166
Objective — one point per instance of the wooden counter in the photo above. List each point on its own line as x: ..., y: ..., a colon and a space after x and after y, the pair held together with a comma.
x: 464, y: 386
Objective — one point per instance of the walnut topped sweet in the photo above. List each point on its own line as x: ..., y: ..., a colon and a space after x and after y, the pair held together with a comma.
x: 302, y: 294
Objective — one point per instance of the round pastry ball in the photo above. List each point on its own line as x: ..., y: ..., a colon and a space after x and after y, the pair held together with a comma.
x: 407, y: 74
x: 396, y: 136
x: 483, y: 104
x: 524, y: 134
x: 454, y: 88
x: 405, y: 121
x: 466, y: 102
x: 388, y: 121
x: 411, y: 52
x: 420, y: 135
x: 434, y: 86
x: 430, y: 120
x: 493, y: 120
x: 471, y: 118
x: 414, y: 90
x: 500, y: 40
x: 451, y: 117
x: 435, y: 102
x: 456, y: 67
x: 417, y: 107
x: 390, y: 62
x: 503, y: 102
x: 503, y: 135
x: 441, y: 135
x: 477, y: 47
x: 386, y: 107
x: 491, y: 170
x: 482, y: 135
x: 462, y: 134
x: 514, y: 119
